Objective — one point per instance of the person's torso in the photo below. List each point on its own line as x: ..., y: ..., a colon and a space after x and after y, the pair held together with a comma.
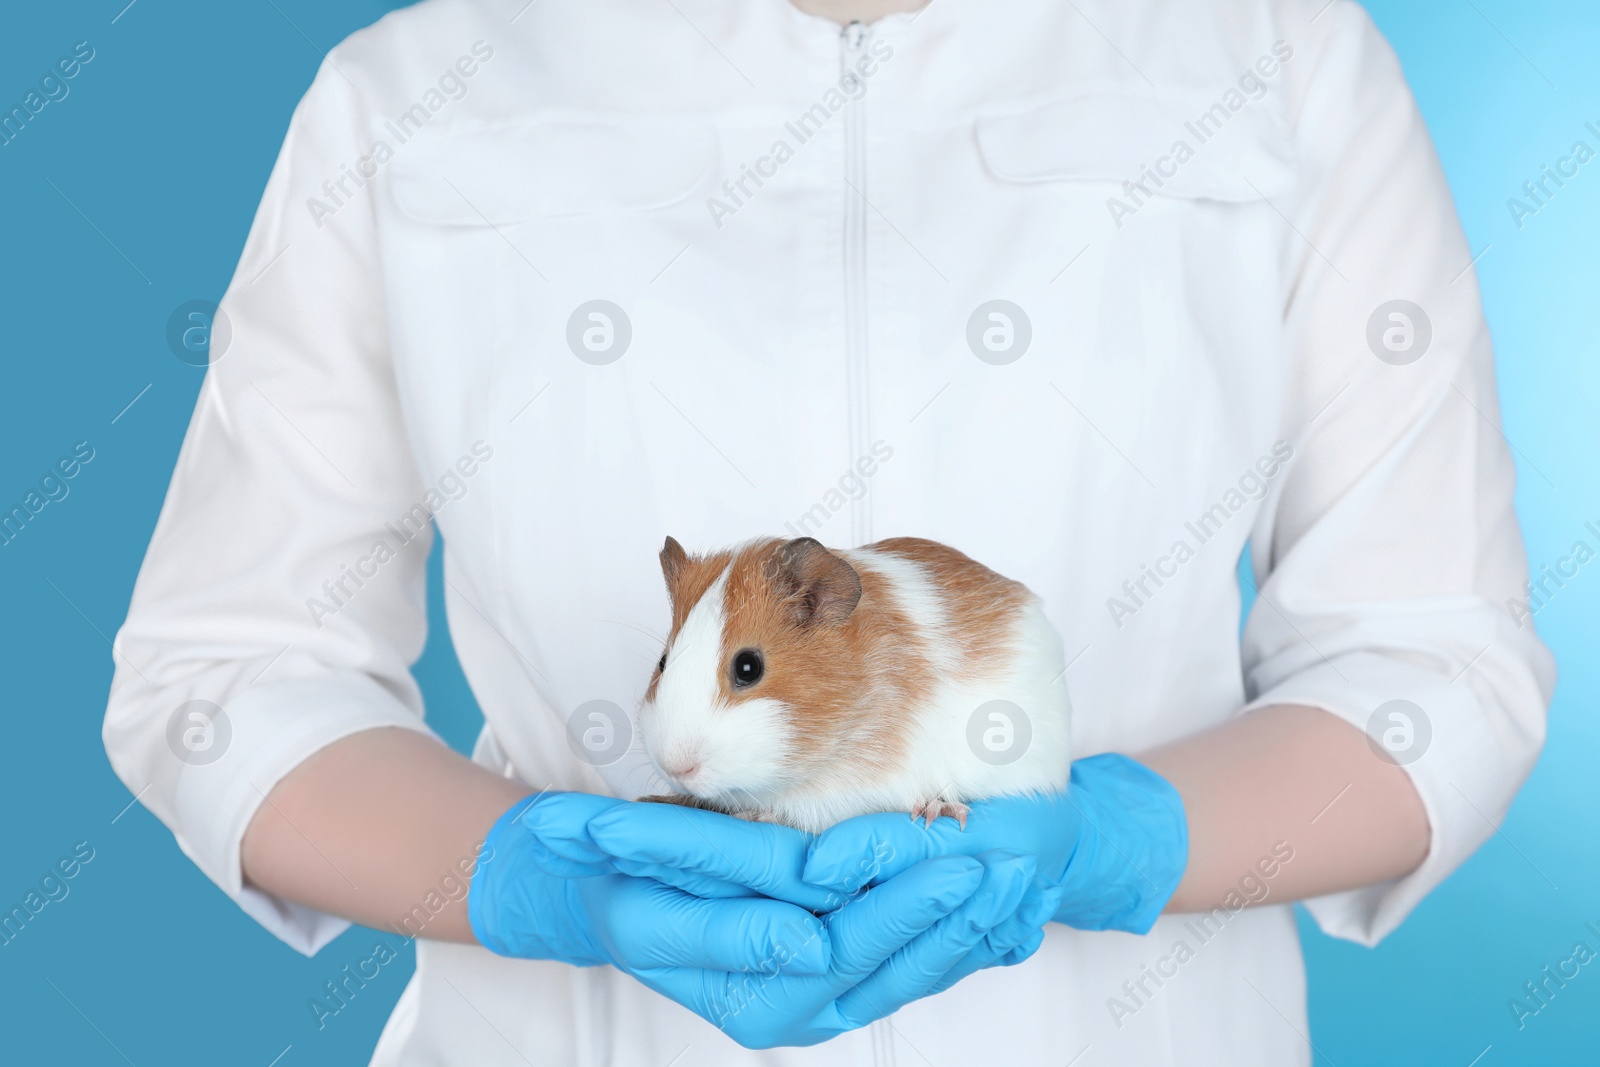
x: 723, y: 270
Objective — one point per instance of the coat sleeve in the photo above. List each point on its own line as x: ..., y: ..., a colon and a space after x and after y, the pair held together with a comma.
x: 281, y: 601
x: 1389, y: 562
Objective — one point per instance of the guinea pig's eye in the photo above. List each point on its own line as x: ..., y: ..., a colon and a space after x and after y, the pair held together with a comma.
x: 661, y: 668
x: 747, y: 668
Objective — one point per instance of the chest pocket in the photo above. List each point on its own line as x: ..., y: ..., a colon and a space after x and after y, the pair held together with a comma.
x: 504, y: 239
x: 495, y: 172
x: 1175, y: 309
x: 1184, y: 145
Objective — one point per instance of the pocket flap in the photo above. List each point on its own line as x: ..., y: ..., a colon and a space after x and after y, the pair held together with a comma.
x: 478, y: 173
x: 1195, y: 144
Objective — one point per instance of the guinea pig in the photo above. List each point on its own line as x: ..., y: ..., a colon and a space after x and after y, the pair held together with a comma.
x: 804, y: 686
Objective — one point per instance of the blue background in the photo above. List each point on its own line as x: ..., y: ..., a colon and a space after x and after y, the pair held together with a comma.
x: 133, y: 195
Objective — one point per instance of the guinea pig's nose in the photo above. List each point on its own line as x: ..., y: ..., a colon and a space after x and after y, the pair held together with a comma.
x: 683, y: 771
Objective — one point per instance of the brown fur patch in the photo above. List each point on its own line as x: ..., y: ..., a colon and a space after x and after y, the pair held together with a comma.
x: 852, y: 685
x: 980, y: 602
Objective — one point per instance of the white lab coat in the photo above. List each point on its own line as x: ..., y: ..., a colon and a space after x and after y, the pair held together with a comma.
x: 811, y: 349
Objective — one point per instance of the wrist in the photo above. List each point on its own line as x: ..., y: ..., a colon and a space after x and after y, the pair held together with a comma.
x: 1132, y: 848
x: 517, y: 909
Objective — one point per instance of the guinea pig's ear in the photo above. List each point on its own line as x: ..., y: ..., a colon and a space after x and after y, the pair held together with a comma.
x: 673, y: 561
x: 823, y: 588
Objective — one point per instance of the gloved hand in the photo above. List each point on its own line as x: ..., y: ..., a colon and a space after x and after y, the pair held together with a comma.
x: 1116, y: 843
x: 714, y: 855
x: 764, y: 970
x: 516, y: 908
x: 894, y: 944
x: 749, y: 858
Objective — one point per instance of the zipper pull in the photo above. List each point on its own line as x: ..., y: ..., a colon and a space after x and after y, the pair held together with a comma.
x: 852, y: 38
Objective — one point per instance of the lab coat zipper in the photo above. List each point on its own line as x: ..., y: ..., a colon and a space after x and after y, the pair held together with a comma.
x: 853, y: 43
x: 882, y: 1043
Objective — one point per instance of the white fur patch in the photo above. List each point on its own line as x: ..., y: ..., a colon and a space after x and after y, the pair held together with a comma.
x: 742, y: 750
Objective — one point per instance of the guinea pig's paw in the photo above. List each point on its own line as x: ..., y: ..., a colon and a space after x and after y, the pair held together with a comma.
x: 670, y: 798
x: 937, y: 807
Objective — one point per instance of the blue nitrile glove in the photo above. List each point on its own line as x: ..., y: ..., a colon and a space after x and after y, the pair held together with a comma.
x: 890, y: 946
x: 1116, y: 843
x: 715, y: 855
x: 517, y: 908
x: 751, y: 859
x: 763, y: 970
